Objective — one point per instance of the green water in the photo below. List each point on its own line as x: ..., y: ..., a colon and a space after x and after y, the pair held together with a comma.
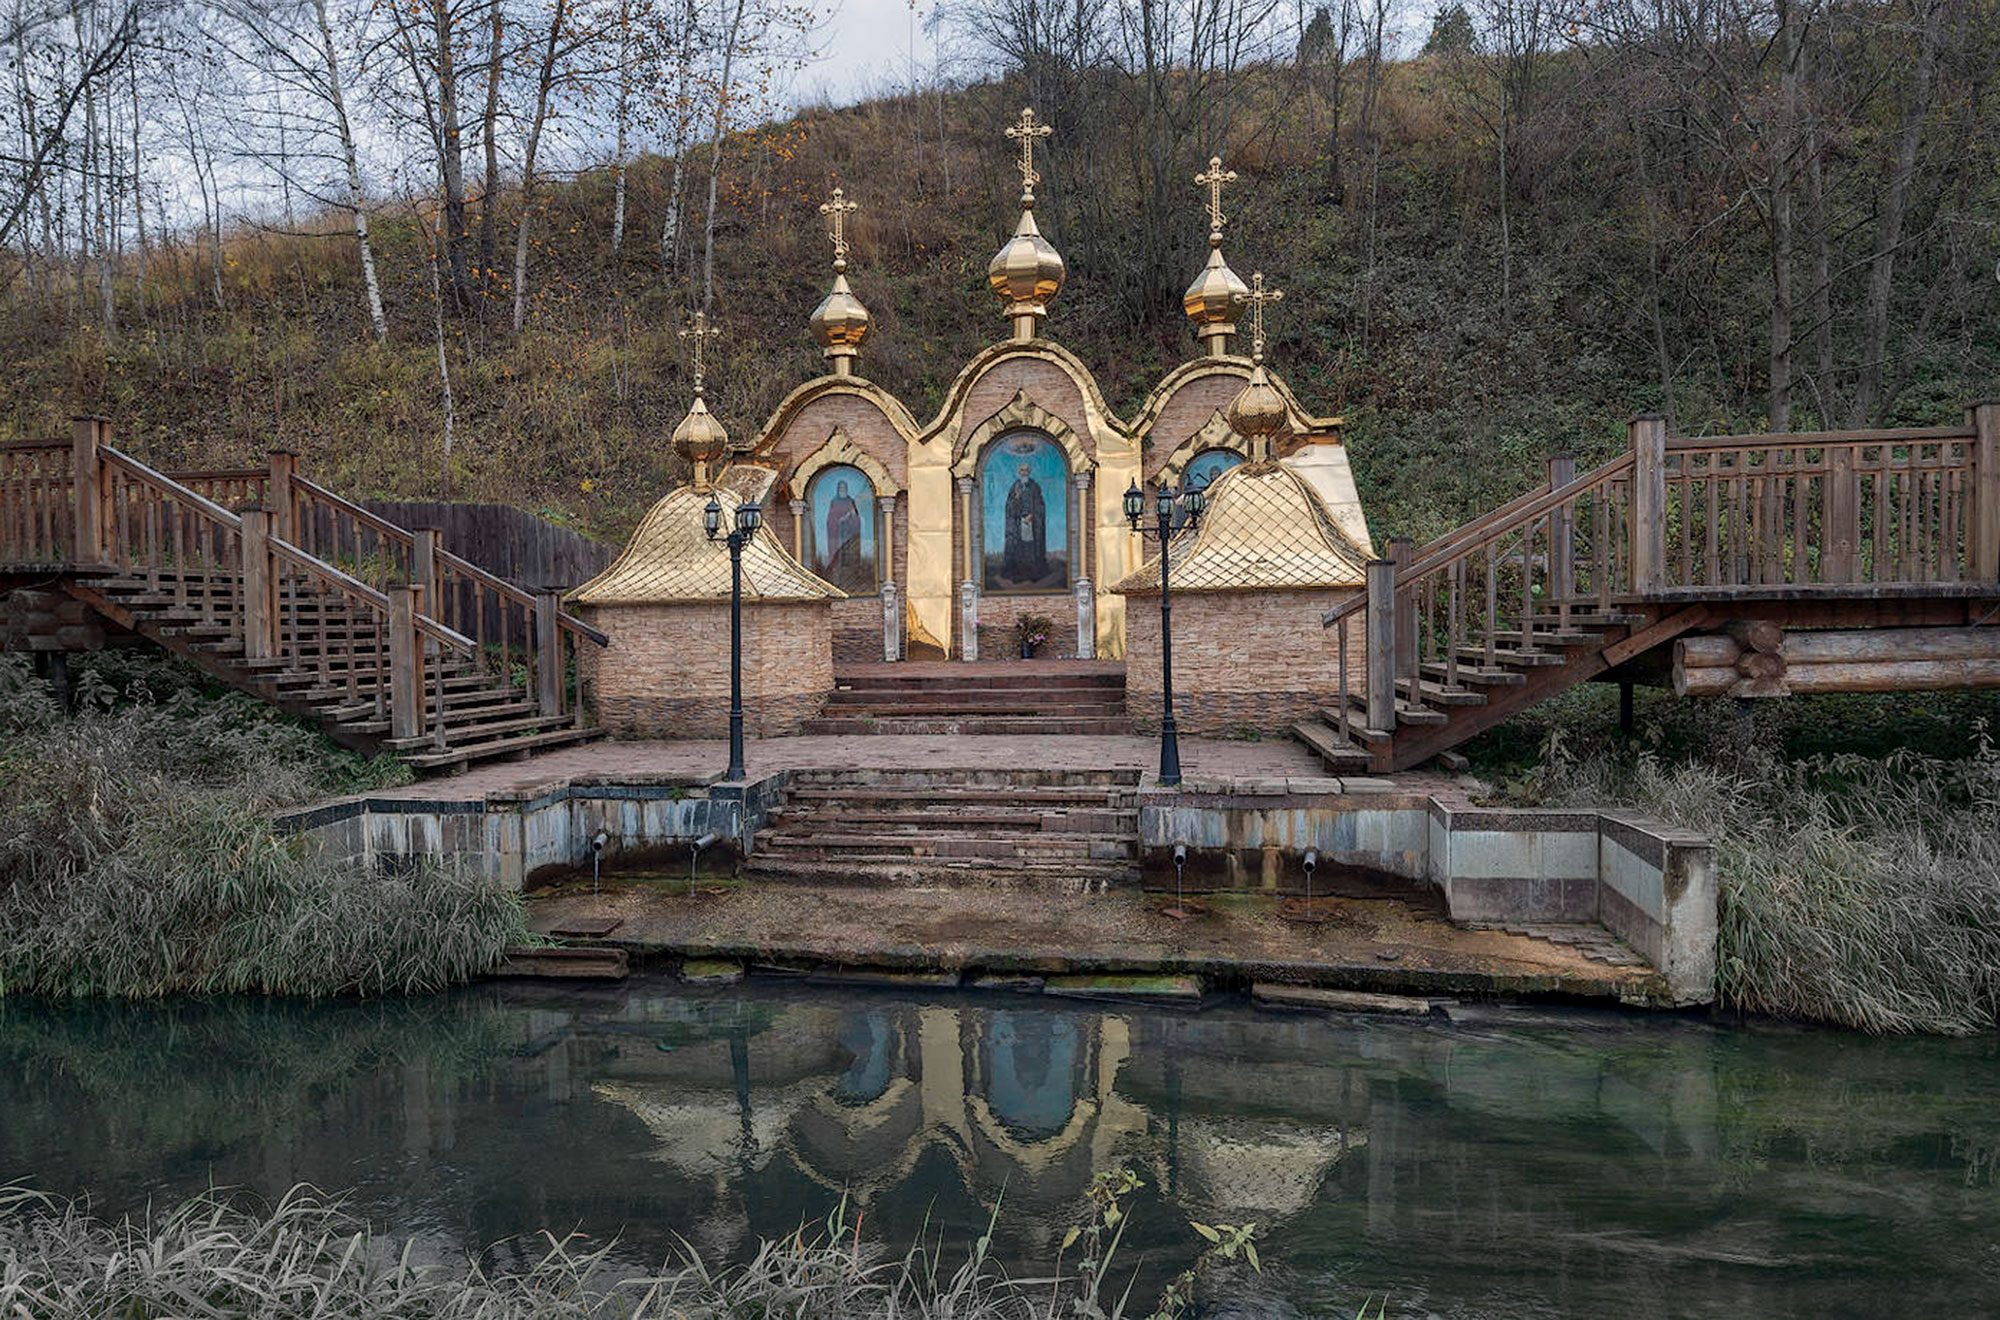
x: 1514, y: 1164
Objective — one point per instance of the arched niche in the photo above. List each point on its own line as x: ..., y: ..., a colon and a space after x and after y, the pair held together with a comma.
x: 840, y: 449
x: 1022, y: 515
x: 1020, y: 414
x: 1215, y: 435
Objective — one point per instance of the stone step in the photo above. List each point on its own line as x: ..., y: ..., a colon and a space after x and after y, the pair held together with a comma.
x: 967, y: 778
x: 977, y: 724
x: 1066, y: 874
x: 1032, y: 710
x: 996, y: 797
x: 837, y: 815
x: 970, y: 844
x: 1030, y: 677
x: 974, y: 696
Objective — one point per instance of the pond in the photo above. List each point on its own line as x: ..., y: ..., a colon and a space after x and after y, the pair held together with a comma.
x: 1508, y: 1163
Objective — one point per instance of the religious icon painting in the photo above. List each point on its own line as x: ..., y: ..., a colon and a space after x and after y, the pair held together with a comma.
x: 1025, y: 516
x: 841, y: 505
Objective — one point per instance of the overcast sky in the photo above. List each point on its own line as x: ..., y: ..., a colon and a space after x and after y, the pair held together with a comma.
x: 865, y: 50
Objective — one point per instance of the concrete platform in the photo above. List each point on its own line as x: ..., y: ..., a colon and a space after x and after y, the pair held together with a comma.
x: 1232, y: 941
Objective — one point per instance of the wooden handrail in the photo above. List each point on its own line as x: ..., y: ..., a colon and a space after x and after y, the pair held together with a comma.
x: 367, y: 595
x: 1820, y: 439
x: 461, y: 565
x: 374, y: 521
x: 218, y: 474
x: 1503, y: 521
x: 172, y: 489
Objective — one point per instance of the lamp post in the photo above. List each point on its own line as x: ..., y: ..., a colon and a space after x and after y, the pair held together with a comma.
x: 1190, y: 499
x: 749, y: 517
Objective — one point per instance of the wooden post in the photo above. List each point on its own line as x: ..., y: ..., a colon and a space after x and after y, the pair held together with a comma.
x: 406, y: 667
x: 259, y: 603
x: 278, y: 497
x: 1562, y: 535
x: 548, y: 652
x: 423, y: 568
x: 1649, y: 503
x: 1985, y: 548
x: 1402, y: 551
x: 1840, y: 525
x: 87, y: 435
x: 1382, y: 645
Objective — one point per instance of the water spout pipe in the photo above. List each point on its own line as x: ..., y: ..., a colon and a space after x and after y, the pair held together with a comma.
x: 597, y: 842
x: 694, y: 857
x: 1311, y: 863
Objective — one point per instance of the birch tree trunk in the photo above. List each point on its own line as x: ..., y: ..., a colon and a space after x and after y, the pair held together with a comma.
x: 544, y: 87
x: 350, y: 159
x: 715, y: 160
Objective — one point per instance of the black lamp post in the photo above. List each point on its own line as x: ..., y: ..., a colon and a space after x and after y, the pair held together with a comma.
x: 749, y: 517
x: 1190, y: 499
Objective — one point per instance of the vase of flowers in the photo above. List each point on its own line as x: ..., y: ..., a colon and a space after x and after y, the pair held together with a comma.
x: 1032, y: 633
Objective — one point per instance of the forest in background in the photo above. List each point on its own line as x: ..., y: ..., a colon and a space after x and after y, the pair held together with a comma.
x: 445, y: 247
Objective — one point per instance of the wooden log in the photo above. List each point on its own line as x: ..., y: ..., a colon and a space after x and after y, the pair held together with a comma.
x: 1706, y: 651
x: 1838, y: 677
x: 1755, y: 634
x: 80, y: 637
x: 1761, y: 665
x: 1891, y: 644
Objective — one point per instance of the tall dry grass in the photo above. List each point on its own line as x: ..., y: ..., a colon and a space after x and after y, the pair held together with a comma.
x: 307, y: 1257
x: 1862, y: 890
x: 137, y: 856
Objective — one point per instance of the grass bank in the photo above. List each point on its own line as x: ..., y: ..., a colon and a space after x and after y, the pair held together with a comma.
x: 1857, y: 840
x: 137, y: 856
x: 306, y: 1256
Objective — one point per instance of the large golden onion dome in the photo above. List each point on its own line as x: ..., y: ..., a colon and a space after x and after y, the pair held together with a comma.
x: 1027, y: 272
x: 840, y: 322
x: 1216, y: 296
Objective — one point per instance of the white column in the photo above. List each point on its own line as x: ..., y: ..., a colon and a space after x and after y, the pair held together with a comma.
x: 968, y: 588
x: 892, y: 598
x: 799, y: 531
x: 1086, y: 592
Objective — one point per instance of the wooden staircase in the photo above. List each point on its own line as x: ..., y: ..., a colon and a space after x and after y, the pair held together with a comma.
x: 377, y: 633
x: 1887, y: 529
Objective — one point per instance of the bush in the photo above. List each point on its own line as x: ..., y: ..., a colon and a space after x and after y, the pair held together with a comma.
x: 1856, y: 888
x: 137, y: 856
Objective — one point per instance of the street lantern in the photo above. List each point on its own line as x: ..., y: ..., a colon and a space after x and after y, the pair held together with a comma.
x: 749, y: 517
x: 1188, y: 500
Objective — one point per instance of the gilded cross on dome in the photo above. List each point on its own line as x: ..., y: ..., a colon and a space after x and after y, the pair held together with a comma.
x: 1026, y: 132
x: 1257, y: 297
x: 698, y: 329
x: 836, y: 211
x: 1212, y: 179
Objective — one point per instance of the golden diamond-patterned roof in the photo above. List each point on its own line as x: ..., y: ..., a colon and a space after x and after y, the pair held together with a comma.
x: 670, y: 558
x: 1264, y: 528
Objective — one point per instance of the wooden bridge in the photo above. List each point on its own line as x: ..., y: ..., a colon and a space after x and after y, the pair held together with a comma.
x: 283, y: 589
x: 1745, y: 565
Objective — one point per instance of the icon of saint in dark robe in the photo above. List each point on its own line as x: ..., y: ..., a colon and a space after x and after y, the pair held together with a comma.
x: 1025, y: 557
x: 841, y: 561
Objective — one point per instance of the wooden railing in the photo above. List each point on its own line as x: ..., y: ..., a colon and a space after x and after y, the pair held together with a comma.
x: 1674, y: 519
x: 1431, y: 613
x: 524, y: 637
x: 37, y: 479
x: 232, y: 488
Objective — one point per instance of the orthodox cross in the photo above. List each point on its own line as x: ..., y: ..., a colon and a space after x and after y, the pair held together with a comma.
x: 1025, y: 133
x: 699, y: 329
x: 1212, y: 179
x: 1257, y: 297
x: 836, y: 212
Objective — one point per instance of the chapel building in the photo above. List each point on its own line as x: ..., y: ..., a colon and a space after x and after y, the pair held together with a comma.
x: 896, y: 538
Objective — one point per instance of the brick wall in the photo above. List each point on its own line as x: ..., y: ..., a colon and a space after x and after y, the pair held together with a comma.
x: 1186, y: 412
x: 666, y: 672
x: 998, y: 614
x: 1255, y: 661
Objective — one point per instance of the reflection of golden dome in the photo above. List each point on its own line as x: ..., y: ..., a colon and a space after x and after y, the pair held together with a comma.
x: 840, y: 323
x: 1216, y: 295
x: 1027, y: 272
x: 1259, y: 410
x: 699, y: 438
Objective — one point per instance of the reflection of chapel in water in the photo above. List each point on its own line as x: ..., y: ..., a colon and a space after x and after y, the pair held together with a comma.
x: 940, y: 534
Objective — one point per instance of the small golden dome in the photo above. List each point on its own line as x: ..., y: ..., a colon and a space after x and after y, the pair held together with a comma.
x: 1216, y: 295
x: 699, y: 438
x: 1027, y: 272
x: 840, y: 323
x: 1259, y: 411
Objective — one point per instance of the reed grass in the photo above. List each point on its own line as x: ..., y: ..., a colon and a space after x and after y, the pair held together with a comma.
x: 137, y: 856
x: 1861, y: 889
x: 306, y: 1256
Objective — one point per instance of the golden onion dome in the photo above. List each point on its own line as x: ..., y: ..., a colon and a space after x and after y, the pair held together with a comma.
x: 1259, y: 411
x: 699, y: 438
x: 1028, y: 271
x: 1216, y: 296
x: 840, y: 322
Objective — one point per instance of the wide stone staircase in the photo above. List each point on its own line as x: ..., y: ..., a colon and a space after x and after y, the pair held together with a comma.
x: 1071, y: 829
x: 1050, y: 697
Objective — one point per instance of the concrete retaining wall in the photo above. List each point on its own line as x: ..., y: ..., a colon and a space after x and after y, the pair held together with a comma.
x: 1651, y: 884
x: 514, y: 839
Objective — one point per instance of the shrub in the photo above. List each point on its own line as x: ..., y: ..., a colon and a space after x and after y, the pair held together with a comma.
x: 137, y: 855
